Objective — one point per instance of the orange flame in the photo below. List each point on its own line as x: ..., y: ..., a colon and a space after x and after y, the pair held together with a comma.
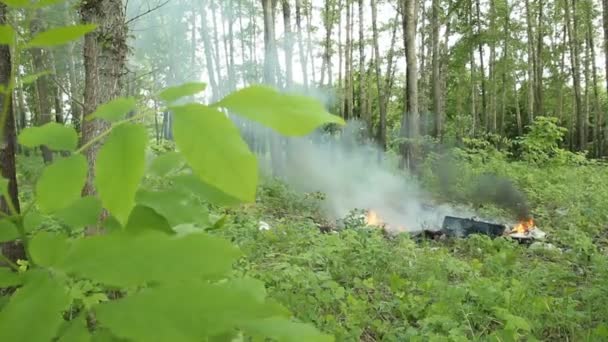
x: 524, y: 226
x: 372, y: 219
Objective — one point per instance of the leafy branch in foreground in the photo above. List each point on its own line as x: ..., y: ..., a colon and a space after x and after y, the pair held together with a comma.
x: 166, y: 275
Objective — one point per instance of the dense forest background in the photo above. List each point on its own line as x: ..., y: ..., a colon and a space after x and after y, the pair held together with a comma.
x: 442, y: 69
x: 137, y: 136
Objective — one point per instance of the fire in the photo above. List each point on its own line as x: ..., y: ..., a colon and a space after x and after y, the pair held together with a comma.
x: 524, y: 226
x: 372, y: 219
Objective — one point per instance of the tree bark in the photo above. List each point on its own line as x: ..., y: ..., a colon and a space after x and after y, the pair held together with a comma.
x: 605, y: 29
x: 381, y: 135
x: 436, y: 81
x: 288, y: 44
x: 410, y: 121
x: 473, y: 78
x: 12, y: 250
x: 363, y: 113
x: 302, y: 52
x: 484, y: 107
x: 531, y: 61
x: 42, y: 83
x: 538, y: 98
x: 105, y: 52
x: 597, y: 111
x: 269, y: 44
x: 572, y: 22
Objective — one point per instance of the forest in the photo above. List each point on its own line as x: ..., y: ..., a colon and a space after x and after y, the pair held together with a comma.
x: 304, y: 170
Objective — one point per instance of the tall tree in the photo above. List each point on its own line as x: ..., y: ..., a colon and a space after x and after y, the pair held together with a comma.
x: 40, y: 61
x: 288, y: 43
x: 539, y: 65
x: 410, y: 120
x: 11, y: 250
x: 573, y: 43
x: 208, y: 50
x: 105, y: 53
x: 301, y: 50
x: 269, y: 43
x: 377, y: 60
x: 435, y: 80
x: 363, y: 114
x: 530, y: 62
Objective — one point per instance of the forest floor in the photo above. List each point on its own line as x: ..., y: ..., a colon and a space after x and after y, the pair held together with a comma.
x: 360, y: 285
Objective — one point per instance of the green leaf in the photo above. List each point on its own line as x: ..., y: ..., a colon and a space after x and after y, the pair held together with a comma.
x: 3, y: 186
x: 282, y: 329
x: 48, y: 249
x: 75, y: 331
x: 129, y: 260
x: 166, y: 163
x: 9, y: 278
x: 61, y: 183
x: 55, y: 136
x: 192, y: 184
x: 42, y: 298
x: 120, y: 167
x: 28, y: 79
x: 8, y: 231
x: 173, y: 94
x: 114, y: 110
x: 7, y: 35
x: 172, y: 205
x: 32, y: 221
x: 183, y: 312
x: 46, y: 3
x: 60, y: 35
x: 17, y: 3
x: 84, y: 212
x: 288, y: 114
x: 215, y: 150
x: 144, y: 219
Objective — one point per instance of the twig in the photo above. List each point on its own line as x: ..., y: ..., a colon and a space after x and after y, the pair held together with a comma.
x: 67, y: 93
x: 150, y: 10
x: 9, y: 262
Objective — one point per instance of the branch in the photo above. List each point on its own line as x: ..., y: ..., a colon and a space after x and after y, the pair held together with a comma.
x: 150, y: 10
x: 67, y: 93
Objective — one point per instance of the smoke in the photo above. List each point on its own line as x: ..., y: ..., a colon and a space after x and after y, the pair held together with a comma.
x: 353, y: 174
x: 503, y: 193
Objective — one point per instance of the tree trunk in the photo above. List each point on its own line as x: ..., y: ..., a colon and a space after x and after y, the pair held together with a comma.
x: 208, y: 50
x: 269, y: 43
x: 531, y: 61
x: 288, y: 44
x: 597, y: 111
x: 410, y: 120
x: 473, y: 78
x: 231, y: 51
x: 303, y: 61
x: 436, y: 81
x: 105, y: 51
x: 309, y: 42
x: 538, y: 78
x: 216, y: 43
x: 492, y: 122
x: 363, y: 113
x: 381, y: 136
x: 348, y: 89
x: 505, y: 60
x: 605, y: 29
x: 484, y: 107
x: 11, y: 250
x: 575, y: 69
x: 42, y: 84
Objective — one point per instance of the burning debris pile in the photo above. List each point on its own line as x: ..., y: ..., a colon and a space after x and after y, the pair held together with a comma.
x: 456, y: 227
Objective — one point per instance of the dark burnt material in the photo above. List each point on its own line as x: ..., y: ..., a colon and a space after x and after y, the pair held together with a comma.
x: 462, y: 227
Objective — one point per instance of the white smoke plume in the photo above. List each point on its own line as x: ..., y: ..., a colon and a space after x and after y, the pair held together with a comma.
x: 349, y: 171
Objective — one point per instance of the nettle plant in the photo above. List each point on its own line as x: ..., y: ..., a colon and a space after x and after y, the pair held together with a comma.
x: 168, y: 278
